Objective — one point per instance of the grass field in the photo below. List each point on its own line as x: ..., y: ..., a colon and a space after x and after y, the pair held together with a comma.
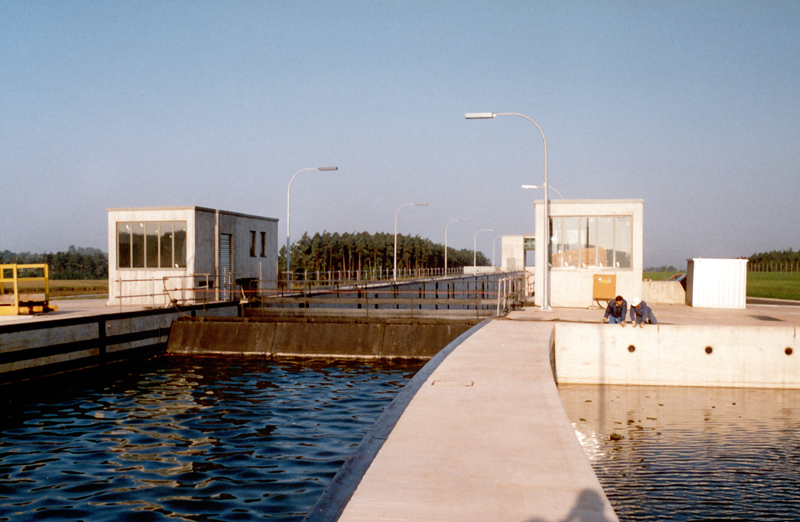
x: 778, y: 285
x: 64, y: 287
x: 775, y: 285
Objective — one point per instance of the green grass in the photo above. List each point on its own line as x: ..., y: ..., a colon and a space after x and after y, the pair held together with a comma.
x: 659, y: 276
x: 63, y: 287
x: 775, y: 285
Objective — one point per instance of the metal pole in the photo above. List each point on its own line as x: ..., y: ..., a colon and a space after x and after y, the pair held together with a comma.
x: 395, y: 231
x: 288, y: 214
x: 445, y: 241
x: 475, y: 246
x: 545, y: 268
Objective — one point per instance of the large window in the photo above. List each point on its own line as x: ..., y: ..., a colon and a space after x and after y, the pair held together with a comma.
x: 151, y: 244
x: 591, y: 242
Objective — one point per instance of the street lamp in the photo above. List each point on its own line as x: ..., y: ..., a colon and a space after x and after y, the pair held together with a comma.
x: 494, y: 244
x: 395, y: 231
x: 475, y: 245
x: 545, y: 267
x: 445, y: 241
x: 288, y: 199
x: 538, y: 187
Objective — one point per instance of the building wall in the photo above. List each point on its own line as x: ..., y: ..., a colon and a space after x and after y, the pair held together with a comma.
x: 145, y: 286
x: 199, y: 280
x: 512, y: 252
x: 573, y: 287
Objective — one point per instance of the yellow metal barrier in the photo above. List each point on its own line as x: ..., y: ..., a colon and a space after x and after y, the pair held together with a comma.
x: 21, y: 302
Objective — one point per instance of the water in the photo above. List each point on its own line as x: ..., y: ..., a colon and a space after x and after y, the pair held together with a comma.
x: 691, y: 453
x: 187, y: 439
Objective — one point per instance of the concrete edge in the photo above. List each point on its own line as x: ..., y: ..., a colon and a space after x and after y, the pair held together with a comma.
x: 332, y: 502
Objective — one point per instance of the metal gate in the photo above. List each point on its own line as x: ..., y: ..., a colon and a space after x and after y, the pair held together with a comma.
x: 225, y: 267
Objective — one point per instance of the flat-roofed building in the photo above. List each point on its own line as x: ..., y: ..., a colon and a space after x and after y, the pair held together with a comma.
x: 590, y: 238
x: 158, y: 256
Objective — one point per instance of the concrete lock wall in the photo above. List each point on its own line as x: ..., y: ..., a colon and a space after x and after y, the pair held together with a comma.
x: 321, y: 338
x: 678, y: 355
x: 49, y: 347
x: 663, y: 292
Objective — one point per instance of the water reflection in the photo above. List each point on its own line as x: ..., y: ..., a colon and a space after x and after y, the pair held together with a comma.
x: 187, y: 439
x: 669, y: 453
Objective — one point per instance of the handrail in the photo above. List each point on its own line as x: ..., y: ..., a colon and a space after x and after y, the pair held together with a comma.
x: 27, y: 306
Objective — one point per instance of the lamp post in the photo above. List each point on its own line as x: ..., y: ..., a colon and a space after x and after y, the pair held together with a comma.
x: 288, y: 200
x: 545, y: 267
x: 445, y: 241
x: 395, y: 231
x: 475, y: 245
x: 538, y: 187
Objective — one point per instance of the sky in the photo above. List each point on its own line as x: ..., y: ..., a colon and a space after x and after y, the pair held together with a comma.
x: 691, y: 106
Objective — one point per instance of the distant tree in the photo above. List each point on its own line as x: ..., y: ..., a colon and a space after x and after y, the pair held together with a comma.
x: 362, y: 251
x: 75, y: 263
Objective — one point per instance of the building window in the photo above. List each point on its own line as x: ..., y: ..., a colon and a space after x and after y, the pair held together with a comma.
x: 151, y: 244
x: 263, y: 244
x: 591, y: 242
x: 252, y: 243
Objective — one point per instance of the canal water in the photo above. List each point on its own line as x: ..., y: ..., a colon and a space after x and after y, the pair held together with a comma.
x: 201, y: 439
x: 671, y: 453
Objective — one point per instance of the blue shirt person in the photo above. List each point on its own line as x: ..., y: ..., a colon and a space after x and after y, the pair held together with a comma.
x: 641, y: 313
x: 616, y: 311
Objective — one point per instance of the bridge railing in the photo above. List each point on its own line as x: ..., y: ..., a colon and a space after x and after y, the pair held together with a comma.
x: 492, y: 292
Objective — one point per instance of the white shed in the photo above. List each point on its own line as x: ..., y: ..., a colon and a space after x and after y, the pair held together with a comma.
x: 158, y: 256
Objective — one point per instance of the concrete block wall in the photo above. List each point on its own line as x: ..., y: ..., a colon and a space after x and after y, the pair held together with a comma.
x: 48, y: 347
x: 678, y: 355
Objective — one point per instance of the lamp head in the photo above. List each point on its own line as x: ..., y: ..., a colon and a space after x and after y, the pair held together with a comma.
x: 479, y: 115
x: 327, y: 168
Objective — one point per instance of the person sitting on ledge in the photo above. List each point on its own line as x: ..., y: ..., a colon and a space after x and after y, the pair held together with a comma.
x: 641, y: 313
x: 616, y: 311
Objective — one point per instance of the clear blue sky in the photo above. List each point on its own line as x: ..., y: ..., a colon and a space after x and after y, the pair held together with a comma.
x: 692, y: 106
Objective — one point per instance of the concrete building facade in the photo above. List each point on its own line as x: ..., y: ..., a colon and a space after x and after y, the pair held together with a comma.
x: 590, y: 238
x: 157, y: 256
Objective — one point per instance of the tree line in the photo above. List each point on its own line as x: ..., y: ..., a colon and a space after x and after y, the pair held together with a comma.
x: 775, y: 260
x: 76, y: 263
x: 366, y: 252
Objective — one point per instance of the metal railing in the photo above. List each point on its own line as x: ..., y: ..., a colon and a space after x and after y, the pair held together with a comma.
x: 379, y: 274
x: 774, y: 266
x: 17, y: 301
x: 190, y: 289
x: 499, y: 293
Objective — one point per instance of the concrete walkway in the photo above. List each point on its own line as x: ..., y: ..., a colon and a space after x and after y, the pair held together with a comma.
x: 486, y: 437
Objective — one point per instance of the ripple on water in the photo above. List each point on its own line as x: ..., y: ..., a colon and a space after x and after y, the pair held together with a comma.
x: 208, y: 439
x: 691, y: 453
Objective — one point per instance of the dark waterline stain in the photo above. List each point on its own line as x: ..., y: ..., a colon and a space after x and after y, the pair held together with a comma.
x: 206, y: 439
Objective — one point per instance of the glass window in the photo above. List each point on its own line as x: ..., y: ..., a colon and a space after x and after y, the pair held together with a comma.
x: 591, y: 242
x: 138, y: 245
x: 252, y: 243
x: 165, y: 244
x: 623, y: 243
x: 263, y: 244
x: 124, y: 245
x: 179, y: 260
x: 588, y: 238
x: 556, y: 242
x: 153, y: 244
x: 605, y: 241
